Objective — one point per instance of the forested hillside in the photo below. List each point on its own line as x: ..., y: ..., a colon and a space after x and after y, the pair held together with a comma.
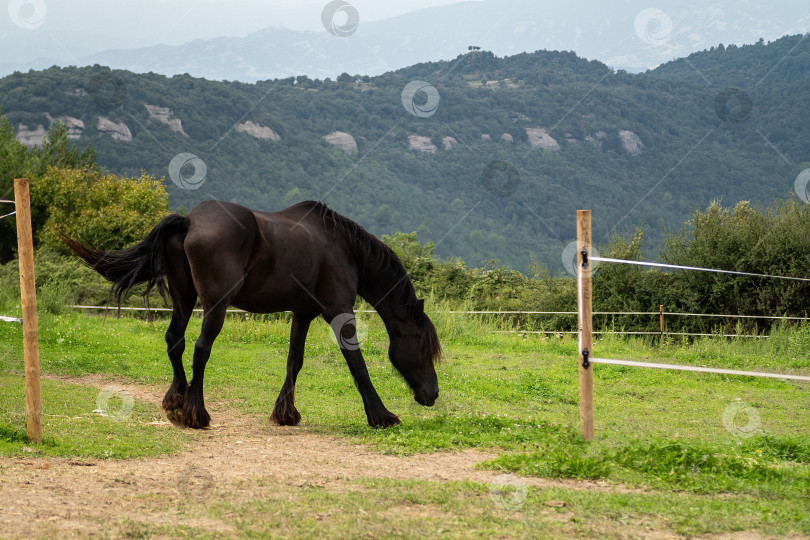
x: 495, y: 169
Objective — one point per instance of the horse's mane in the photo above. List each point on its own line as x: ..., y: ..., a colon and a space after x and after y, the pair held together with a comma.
x: 374, y: 260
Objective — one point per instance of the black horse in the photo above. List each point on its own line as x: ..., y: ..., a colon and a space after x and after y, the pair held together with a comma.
x: 307, y: 259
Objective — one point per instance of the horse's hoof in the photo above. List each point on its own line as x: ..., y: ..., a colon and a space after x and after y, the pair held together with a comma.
x: 201, y: 422
x: 195, y: 418
x: 288, y: 416
x: 172, y: 401
x: 383, y: 420
x: 176, y: 417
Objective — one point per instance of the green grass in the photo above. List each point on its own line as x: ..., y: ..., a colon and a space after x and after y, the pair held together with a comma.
x: 497, y: 390
x: 760, y: 467
x: 385, y: 508
x: 71, y: 428
x: 690, y: 438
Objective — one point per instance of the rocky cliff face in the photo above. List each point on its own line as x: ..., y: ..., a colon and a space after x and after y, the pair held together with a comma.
x: 342, y: 140
x: 259, y: 131
x: 164, y: 115
x: 117, y: 130
x: 74, y: 126
x: 419, y: 143
x: 539, y: 138
x: 31, y: 137
x: 631, y: 142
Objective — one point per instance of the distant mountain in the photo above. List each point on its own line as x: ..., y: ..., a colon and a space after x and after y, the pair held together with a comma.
x: 487, y: 157
x: 628, y: 35
x: 746, y: 66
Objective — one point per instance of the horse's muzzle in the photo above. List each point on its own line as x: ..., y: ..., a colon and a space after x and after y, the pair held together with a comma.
x: 428, y: 399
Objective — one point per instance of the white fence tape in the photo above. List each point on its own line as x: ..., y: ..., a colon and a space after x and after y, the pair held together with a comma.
x: 697, y: 268
x: 697, y: 368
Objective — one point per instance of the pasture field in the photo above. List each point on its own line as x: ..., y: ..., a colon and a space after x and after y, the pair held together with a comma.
x: 499, y: 455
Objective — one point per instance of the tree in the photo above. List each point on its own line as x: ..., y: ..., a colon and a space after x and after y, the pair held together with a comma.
x: 773, y: 241
x: 14, y: 162
x: 742, y: 239
x: 58, y: 151
x: 17, y: 161
x: 107, y: 211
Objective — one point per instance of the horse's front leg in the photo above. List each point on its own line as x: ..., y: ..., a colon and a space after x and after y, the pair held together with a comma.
x: 378, y: 416
x: 346, y: 333
x: 284, y: 413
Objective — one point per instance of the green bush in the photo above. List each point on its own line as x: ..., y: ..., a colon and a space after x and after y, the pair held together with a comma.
x: 771, y: 241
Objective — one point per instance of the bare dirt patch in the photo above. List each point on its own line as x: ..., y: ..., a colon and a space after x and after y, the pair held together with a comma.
x: 63, y: 497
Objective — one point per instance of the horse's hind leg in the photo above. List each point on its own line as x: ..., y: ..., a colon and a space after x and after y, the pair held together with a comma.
x: 175, y: 345
x: 183, y: 296
x: 284, y: 412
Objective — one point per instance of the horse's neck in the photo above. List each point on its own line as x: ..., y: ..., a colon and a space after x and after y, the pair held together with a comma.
x: 383, y: 298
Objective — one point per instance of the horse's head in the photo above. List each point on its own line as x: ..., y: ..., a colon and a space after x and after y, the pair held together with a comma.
x: 413, y: 351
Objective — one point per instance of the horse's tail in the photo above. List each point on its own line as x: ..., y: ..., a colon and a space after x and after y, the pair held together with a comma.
x: 144, y: 262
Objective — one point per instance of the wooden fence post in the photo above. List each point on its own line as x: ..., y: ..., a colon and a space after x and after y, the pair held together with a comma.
x: 585, y: 312
x: 28, y: 296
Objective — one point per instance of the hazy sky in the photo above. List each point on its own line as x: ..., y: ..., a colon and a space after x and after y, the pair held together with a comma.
x: 627, y: 34
x: 183, y: 17
x: 371, y: 10
x: 83, y: 23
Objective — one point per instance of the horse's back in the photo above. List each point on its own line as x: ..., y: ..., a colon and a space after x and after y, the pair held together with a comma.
x: 267, y: 261
x: 299, y: 263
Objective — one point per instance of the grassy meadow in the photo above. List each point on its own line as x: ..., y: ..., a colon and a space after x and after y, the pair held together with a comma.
x: 700, y: 453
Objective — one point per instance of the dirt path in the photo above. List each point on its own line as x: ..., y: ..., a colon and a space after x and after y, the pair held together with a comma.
x: 62, y: 497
